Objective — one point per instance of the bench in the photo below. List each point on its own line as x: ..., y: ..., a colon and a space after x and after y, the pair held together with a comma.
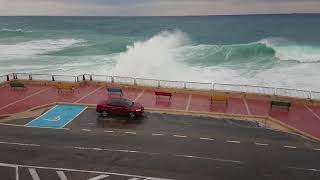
x: 68, y: 87
x: 115, y: 90
x: 167, y: 94
x: 17, y: 85
x: 219, y: 98
x: 280, y: 104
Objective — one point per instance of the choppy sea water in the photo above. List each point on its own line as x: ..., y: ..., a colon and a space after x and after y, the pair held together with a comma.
x: 268, y: 50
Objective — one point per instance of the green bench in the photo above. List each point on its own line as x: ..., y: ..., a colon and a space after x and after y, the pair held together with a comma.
x: 280, y: 104
x: 17, y: 85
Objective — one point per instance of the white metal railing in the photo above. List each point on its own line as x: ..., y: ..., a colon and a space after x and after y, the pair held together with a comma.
x: 168, y: 84
x: 148, y: 82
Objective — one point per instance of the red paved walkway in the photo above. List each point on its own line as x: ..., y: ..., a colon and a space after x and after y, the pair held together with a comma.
x: 302, y: 117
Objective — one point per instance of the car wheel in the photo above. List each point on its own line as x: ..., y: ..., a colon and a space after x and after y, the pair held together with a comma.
x: 131, y: 115
x: 104, y: 113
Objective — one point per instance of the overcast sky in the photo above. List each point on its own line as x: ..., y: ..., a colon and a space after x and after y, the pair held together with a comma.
x: 155, y: 7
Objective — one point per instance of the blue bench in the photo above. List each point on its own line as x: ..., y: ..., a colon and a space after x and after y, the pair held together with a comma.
x: 115, y: 90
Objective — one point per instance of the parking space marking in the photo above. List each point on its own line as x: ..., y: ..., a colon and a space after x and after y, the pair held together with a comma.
x: 316, y: 149
x: 208, y: 139
x: 34, y: 174
x: 291, y: 147
x: 3, y: 107
x: 89, y: 94
x: 305, y: 169
x: 315, y: 114
x: 19, y: 144
x: 140, y: 94
x: 99, y: 177
x: 189, y: 101
x: 236, y: 142
x: 87, y: 130
x: 260, y: 144
x: 61, y: 175
x: 58, y: 116
x: 180, y: 136
x: 246, y: 105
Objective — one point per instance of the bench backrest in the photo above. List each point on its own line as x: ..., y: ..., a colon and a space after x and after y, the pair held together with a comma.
x: 219, y: 98
x: 158, y: 93
x: 280, y: 103
x: 65, y: 86
x: 114, y: 90
x: 16, y: 84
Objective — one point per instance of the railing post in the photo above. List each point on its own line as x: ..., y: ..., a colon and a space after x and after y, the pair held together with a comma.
x: 30, y: 77
x: 8, y: 78
x: 83, y: 77
x: 310, y: 95
x: 76, y: 79
x: 112, y: 79
x: 212, y: 86
x: 90, y: 77
x: 184, y: 85
x: 135, y: 81
x: 275, y: 92
x: 14, y: 76
x: 158, y: 83
x: 52, y: 77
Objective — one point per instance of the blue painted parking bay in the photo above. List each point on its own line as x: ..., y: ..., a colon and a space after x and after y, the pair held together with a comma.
x: 57, y: 117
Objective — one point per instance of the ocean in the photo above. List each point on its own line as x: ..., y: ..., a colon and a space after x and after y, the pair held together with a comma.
x: 266, y: 50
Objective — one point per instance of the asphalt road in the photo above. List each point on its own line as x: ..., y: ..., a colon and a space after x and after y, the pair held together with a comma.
x: 159, y: 146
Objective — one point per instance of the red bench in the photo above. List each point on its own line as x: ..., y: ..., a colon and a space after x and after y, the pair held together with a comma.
x: 158, y: 93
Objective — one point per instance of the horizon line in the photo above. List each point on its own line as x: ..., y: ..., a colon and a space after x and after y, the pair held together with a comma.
x: 260, y: 14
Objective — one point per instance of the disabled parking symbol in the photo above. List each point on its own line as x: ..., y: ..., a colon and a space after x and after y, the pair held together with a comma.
x: 56, y: 118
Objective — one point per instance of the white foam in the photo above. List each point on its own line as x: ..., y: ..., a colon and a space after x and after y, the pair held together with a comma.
x: 153, y: 58
x: 35, y: 47
x: 288, y: 50
x: 14, y: 30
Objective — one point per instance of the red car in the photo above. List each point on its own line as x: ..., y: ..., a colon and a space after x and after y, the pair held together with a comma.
x: 120, y: 106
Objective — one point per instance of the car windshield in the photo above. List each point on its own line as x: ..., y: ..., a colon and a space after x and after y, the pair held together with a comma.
x: 129, y: 103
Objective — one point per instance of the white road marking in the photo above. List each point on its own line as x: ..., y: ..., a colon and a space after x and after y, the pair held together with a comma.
x: 261, y: 144
x: 89, y: 94
x: 99, y: 177
x: 86, y: 130
x: 108, y: 131
x: 19, y: 144
x: 134, y: 179
x: 229, y: 141
x: 34, y: 174
x: 140, y: 94
x: 150, y: 153
x: 209, y: 139
x: 207, y: 158
x: 179, y: 136
x: 305, y: 169
x: 315, y: 114
x: 316, y: 149
x: 130, y: 132
x: 19, y: 125
x: 61, y: 175
x: 156, y: 134
x: 291, y: 147
x: 247, y: 107
x: 25, y: 98
x: 188, y: 104
x: 83, y: 171
x: 112, y: 150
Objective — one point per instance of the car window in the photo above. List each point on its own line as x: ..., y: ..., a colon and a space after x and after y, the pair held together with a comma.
x: 115, y: 103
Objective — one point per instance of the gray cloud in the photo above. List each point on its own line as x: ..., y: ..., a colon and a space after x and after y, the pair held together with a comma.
x: 155, y: 7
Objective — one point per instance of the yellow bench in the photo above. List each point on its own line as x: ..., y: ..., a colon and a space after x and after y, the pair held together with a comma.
x: 219, y: 98
x: 68, y: 87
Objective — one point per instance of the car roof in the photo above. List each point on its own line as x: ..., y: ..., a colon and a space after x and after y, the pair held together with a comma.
x: 112, y: 100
